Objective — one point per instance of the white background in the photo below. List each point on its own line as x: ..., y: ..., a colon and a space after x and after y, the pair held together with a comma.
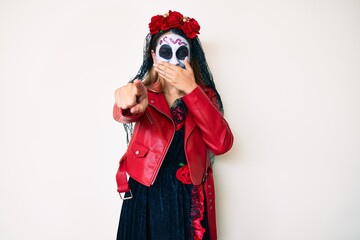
x: 289, y: 76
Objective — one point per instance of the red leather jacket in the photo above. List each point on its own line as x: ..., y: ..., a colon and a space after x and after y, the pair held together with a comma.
x: 205, y: 130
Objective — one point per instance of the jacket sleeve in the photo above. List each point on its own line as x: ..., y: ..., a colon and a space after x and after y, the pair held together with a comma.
x: 124, y: 116
x: 214, y: 128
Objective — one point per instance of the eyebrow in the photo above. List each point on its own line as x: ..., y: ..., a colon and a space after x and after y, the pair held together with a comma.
x: 177, y: 41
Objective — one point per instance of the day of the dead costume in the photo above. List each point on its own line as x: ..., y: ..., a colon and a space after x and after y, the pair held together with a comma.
x: 171, y: 187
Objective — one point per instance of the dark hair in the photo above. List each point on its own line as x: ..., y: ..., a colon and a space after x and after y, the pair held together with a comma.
x: 198, y: 61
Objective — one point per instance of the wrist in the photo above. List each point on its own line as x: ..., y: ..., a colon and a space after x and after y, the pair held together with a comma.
x: 190, y: 88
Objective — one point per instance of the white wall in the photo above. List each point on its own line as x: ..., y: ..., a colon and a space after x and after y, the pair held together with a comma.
x: 289, y: 75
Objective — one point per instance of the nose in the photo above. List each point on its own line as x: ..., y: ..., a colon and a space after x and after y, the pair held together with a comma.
x: 174, y: 60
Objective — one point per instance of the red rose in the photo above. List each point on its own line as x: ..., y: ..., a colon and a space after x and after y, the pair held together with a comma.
x: 191, y: 28
x: 156, y: 24
x: 183, y: 174
x: 165, y: 25
x: 175, y: 19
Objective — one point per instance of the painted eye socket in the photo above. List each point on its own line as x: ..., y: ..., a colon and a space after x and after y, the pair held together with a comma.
x: 182, y: 53
x: 165, y: 52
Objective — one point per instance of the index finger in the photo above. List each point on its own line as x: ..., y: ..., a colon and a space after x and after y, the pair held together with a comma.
x: 165, y: 65
x: 139, y: 87
x: 168, y: 67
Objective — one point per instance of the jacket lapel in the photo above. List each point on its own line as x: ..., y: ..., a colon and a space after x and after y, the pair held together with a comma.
x: 158, y: 101
x: 189, y: 125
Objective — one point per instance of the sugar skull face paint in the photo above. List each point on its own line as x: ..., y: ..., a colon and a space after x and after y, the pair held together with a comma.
x: 172, y: 48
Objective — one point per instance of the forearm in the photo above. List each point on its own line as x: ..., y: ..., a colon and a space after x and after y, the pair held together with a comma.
x: 214, y: 128
x: 124, y: 116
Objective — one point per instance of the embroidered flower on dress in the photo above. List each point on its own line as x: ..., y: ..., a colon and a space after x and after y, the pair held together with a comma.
x: 197, y: 211
x: 179, y: 112
x: 178, y: 115
x: 183, y: 174
x: 197, y: 202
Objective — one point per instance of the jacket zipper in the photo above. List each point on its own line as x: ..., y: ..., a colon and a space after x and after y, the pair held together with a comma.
x: 167, y: 148
x: 147, y: 114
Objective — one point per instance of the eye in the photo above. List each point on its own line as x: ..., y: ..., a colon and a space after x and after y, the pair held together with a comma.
x: 165, y: 51
x: 182, y: 52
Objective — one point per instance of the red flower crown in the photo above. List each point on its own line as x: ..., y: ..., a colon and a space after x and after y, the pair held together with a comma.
x: 174, y: 19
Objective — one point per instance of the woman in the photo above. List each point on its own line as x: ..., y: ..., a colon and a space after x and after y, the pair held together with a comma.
x: 178, y: 128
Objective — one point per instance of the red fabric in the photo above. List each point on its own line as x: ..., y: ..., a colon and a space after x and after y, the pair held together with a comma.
x: 197, y: 211
x: 205, y: 129
x: 210, y: 203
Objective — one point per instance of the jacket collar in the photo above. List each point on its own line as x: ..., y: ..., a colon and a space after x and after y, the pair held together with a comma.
x: 158, y: 101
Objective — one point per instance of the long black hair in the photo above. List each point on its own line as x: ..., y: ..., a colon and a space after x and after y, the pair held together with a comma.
x: 198, y: 61
x: 203, y: 75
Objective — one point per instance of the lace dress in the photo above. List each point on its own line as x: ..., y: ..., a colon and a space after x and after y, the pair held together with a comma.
x: 172, y: 208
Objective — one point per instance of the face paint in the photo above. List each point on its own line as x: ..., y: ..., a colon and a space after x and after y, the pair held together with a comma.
x: 172, y: 48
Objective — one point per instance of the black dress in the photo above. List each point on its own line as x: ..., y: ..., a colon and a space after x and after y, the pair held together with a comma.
x: 166, y: 210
